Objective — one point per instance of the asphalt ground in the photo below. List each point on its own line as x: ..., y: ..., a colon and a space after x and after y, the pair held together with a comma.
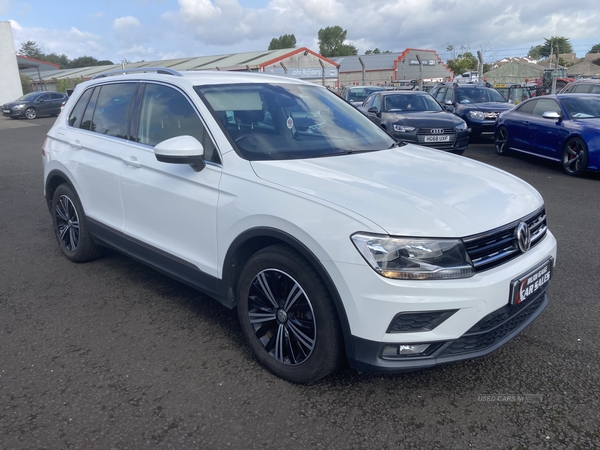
x: 113, y: 355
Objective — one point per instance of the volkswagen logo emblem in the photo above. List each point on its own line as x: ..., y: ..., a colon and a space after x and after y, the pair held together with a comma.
x: 437, y: 131
x: 523, y: 235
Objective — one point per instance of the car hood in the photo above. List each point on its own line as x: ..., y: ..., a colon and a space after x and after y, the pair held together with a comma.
x: 425, y: 119
x: 411, y: 190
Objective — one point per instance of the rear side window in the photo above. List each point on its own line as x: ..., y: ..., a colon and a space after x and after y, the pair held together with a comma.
x: 581, y: 88
x: 527, y: 108
x: 596, y: 89
x: 111, y: 116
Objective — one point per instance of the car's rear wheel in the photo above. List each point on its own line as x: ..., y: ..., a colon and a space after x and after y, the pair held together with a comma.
x: 575, y: 157
x: 30, y: 113
x: 501, y: 141
x: 288, y: 316
x: 70, y: 226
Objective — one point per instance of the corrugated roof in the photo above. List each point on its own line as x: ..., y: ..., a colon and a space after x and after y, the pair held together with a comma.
x: 223, y: 62
x: 382, y: 61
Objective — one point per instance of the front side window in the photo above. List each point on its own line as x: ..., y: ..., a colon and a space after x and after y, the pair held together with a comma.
x: 290, y: 121
x: 581, y: 88
x: 166, y: 113
x: 545, y: 105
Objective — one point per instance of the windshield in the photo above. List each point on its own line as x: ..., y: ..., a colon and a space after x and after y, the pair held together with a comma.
x: 291, y: 121
x: 407, y: 103
x: 582, y: 107
x: 28, y: 97
x: 360, y: 94
x: 478, y: 95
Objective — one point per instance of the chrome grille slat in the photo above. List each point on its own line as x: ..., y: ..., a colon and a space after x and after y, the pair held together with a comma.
x: 495, y: 247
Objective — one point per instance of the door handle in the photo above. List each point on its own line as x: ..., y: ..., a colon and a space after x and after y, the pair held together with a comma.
x: 132, y: 161
x: 76, y: 145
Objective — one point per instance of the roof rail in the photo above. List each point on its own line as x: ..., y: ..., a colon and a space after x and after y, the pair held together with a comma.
x: 161, y: 70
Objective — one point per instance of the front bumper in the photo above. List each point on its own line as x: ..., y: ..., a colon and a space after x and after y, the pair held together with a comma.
x: 478, y: 317
x: 6, y: 112
x: 480, y: 126
x: 458, y: 140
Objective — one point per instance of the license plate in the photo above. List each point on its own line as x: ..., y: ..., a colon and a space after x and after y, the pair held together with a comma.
x: 6, y: 111
x: 533, y: 282
x: 436, y: 139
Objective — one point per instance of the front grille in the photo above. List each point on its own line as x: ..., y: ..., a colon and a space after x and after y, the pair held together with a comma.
x: 494, y: 327
x: 418, y: 321
x: 423, y: 132
x: 496, y: 247
x: 490, y: 115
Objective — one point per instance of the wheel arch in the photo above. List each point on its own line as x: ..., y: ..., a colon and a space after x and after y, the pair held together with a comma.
x: 253, y: 240
x: 54, y: 179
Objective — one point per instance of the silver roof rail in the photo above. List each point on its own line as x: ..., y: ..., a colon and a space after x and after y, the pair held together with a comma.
x: 161, y: 70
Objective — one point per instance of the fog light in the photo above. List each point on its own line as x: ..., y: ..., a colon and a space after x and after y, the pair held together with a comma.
x: 392, y: 350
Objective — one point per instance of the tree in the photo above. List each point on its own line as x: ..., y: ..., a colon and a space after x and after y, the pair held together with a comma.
x: 331, y: 42
x: 595, y: 49
x: 535, y: 52
x: 84, y: 61
x: 549, y: 46
x: 62, y: 60
x: 285, y: 41
x: 463, y: 63
x: 31, y: 50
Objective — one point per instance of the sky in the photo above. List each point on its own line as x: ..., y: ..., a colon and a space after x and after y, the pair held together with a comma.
x: 153, y: 30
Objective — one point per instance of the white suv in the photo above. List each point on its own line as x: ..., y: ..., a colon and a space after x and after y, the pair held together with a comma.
x: 277, y: 197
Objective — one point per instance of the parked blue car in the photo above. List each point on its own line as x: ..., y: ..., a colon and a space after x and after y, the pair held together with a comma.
x: 563, y: 127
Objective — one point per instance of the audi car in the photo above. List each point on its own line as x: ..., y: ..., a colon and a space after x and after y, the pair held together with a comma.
x: 416, y: 117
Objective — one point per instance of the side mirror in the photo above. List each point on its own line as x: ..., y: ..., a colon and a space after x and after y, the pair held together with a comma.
x: 552, y: 115
x: 181, y: 150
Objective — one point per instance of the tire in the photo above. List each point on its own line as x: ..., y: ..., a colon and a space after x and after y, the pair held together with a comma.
x: 501, y: 141
x: 288, y: 316
x: 575, y: 157
x: 70, y: 227
x: 30, y: 113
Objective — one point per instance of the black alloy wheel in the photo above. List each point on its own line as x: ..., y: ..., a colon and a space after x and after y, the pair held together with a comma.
x: 70, y: 227
x: 575, y: 157
x: 288, y: 316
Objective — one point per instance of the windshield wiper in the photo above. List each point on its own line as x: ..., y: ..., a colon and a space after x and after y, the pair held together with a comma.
x: 397, y: 144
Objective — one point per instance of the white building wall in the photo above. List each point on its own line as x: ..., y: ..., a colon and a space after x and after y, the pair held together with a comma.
x: 10, y: 82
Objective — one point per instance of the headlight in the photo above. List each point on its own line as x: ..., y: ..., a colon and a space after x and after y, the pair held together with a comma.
x: 415, y: 258
x: 403, y: 128
x: 476, y: 115
x: 21, y: 106
x: 461, y: 127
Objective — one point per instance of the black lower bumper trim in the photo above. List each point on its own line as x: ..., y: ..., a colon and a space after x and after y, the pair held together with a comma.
x: 367, y: 354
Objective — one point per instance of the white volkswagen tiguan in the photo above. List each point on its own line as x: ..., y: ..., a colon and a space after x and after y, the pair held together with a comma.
x: 276, y: 197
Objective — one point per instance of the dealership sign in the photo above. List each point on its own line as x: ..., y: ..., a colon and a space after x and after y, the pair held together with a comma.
x: 304, y: 72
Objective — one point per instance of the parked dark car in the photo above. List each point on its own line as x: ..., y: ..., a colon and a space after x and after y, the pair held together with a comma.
x: 478, y: 104
x: 357, y: 94
x: 416, y: 117
x: 35, y: 104
x: 563, y: 127
x: 582, y: 86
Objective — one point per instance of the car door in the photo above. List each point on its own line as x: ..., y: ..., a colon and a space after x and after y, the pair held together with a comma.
x: 517, y: 125
x: 43, y: 105
x: 375, y: 102
x: 170, y: 209
x: 55, y: 102
x: 546, y: 133
x: 97, y: 135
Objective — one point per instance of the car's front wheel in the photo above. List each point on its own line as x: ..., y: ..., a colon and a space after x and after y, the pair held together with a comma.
x: 70, y: 227
x: 501, y: 141
x: 30, y: 113
x: 288, y: 316
x: 575, y: 157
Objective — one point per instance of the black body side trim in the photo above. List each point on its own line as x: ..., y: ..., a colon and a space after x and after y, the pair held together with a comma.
x: 159, y: 260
